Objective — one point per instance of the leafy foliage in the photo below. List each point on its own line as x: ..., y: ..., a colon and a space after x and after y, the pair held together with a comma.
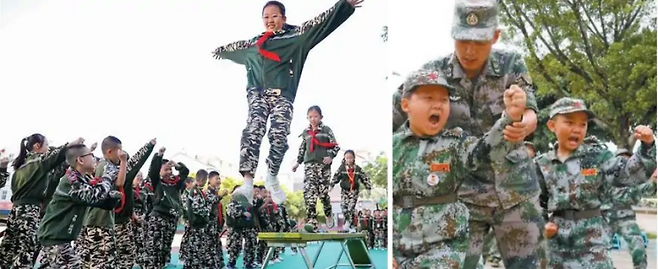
x: 603, y: 52
x: 378, y: 170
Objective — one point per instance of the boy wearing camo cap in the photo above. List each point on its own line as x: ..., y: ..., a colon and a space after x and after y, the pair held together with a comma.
x: 576, y: 178
x: 430, y: 224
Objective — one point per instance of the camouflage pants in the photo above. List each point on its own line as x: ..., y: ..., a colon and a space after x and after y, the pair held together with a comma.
x: 518, y: 232
x: 262, y: 251
x: 262, y: 106
x: 125, y: 246
x: 214, y: 248
x: 184, y: 243
x: 197, y: 247
x: 60, y: 256
x: 160, y: 232
x: 447, y: 254
x: 97, y: 248
x: 580, y: 243
x: 20, y: 243
x: 623, y: 222
x: 369, y: 238
x: 490, y: 246
x: 380, y: 238
x: 139, y: 241
x: 234, y: 239
x: 348, y: 201
x: 316, y: 185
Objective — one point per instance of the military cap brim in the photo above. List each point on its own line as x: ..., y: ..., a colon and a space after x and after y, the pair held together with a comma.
x: 460, y: 32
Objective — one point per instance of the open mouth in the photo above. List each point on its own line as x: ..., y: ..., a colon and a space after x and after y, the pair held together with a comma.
x: 435, y: 118
x: 574, y: 140
x: 271, y: 26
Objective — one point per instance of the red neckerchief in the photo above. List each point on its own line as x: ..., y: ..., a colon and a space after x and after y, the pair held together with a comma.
x: 350, y: 175
x: 123, y: 200
x: 220, y: 214
x: 172, y: 181
x: 266, y: 53
x: 148, y: 186
x: 136, y: 190
x: 365, y: 219
x: 315, y: 141
x: 274, y: 207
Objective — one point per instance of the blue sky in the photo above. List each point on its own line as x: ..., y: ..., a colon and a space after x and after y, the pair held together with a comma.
x: 143, y: 69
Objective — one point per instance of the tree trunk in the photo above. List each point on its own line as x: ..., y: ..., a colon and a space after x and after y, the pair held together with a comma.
x: 623, y: 139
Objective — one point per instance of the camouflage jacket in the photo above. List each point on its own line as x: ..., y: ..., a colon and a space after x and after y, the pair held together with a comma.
x: 196, y: 207
x: 436, y: 166
x: 476, y: 106
x: 634, y: 196
x: 4, y: 175
x: 312, y: 150
x: 272, y: 219
x: 359, y: 176
x: 586, y: 179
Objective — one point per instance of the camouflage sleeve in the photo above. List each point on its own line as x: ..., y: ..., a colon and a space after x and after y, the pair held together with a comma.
x: 543, y: 195
x: 234, y: 210
x: 4, y: 175
x: 648, y: 189
x: 365, y: 179
x: 212, y: 196
x: 154, y: 171
x: 136, y: 162
x: 332, y: 152
x: 85, y: 193
x: 473, y: 152
x: 523, y: 80
x: 235, y: 52
x: 632, y: 171
x: 198, y: 204
x: 336, y: 178
x: 301, y: 152
x: 313, y: 31
x: 54, y: 157
x: 282, y: 223
x: 399, y: 117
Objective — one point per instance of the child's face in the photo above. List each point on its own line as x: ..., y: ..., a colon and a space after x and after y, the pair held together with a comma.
x: 428, y: 109
x: 314, y: 118
x: 376, y: 213
x: 570, y: 129
x: 138, y: 179
x: 273, y: 20
x: 257, y: 193
x: 214, y: 181
x: 349, y: 158
x: 189, y: 184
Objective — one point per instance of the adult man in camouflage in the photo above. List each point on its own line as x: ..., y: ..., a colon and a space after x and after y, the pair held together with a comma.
x: 622, y: 220
x: 480, y: 75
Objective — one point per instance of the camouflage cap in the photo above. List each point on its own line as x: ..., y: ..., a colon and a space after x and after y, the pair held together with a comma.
x: 567, y: 105
x: 424, y: 78
x: 475, y: 20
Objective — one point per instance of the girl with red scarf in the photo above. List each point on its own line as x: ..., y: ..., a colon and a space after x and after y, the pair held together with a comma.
x: 350, y: 177
x: 317, y: 152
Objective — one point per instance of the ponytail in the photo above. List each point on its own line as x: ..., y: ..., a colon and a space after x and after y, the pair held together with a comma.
x: 20, y: 159
x: 26, y: 146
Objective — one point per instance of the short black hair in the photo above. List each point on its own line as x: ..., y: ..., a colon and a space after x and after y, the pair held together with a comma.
x: 189, y: 180
x: 202, y: 173
x: 73, y: 153
x: 164, y: 161
x: 110, y: 142
x: 278, y: 4
x: 261, y: 187
x: 213, y: 174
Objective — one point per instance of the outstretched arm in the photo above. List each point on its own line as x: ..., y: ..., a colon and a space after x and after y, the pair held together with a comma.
x: 236, y: 51
x: 317, y: 29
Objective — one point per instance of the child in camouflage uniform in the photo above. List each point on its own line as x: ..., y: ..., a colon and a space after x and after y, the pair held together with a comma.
x: 197, y: 210
x: 350, y: 176
x: 365, y: 226
x: 576, y: 178
x: 270, y: 214
x: 65, y: 213
x: 185, y: 240
x: 216, y: 224
x: 317, y: 151
x: 167, y: 208
x: 28, y: 185
x: 141, y: 209
x: 242, y: 222
x: 430, y: 224
x: 379, y: 230
x: 272, y: 81
x: 622, y: 220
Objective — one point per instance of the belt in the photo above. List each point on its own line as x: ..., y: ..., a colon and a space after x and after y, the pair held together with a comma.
x: 411, y: 201
x: 273, y: 92
x: 577, y: 214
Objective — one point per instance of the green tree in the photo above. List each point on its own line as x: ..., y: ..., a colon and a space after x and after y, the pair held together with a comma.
x: 603, y: 52
x: 377, y: 170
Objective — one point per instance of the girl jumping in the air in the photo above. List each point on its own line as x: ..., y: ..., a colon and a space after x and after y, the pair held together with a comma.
x: 316, y: 152
x: 274, y: 61
x: 350, y: 176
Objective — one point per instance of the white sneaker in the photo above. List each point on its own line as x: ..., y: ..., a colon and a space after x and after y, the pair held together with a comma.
x: 280, y: 258
x: 272, y: 185
x: 273, y: 261
x: 247, y: 191
x: 346, y: 226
